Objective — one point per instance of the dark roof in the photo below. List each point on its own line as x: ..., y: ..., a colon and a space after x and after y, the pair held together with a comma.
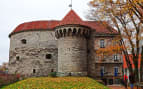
x: 70, y: 18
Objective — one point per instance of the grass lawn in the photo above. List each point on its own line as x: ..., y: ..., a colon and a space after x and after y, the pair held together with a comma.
x: 57, y: 83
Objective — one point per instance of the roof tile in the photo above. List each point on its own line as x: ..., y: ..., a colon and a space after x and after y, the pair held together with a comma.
x: 70, y: 18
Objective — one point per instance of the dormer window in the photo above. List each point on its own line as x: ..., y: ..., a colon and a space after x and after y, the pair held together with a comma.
x: 48, y: 56
x: 23, y: 41
x: 102, y: 43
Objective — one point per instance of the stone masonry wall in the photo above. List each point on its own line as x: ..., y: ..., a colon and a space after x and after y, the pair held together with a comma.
x: 72, y: 55
x: 69, y: 55
x: 30, y: 58
x: 95, y: 62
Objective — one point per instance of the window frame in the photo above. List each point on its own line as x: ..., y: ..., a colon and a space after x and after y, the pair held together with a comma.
x: 103, y: 68
x: 102, y: 43
x: 117, y: 69
x: 116, y: 57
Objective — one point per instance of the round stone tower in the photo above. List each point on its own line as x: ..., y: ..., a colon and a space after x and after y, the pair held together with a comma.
x: 33, y: 49
x: 72, y: 50
x: 72, y: 46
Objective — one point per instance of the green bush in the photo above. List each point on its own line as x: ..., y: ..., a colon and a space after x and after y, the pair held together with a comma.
x: 52, y: 74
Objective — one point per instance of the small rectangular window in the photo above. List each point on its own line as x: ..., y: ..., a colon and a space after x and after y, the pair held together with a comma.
x: 23, y: 41
x: 48, y: 56
x: 52, y: 70
x: 102, y: 43
x: 115, y: 57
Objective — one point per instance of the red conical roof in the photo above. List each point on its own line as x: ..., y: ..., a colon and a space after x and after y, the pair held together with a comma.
x: 71, y: 18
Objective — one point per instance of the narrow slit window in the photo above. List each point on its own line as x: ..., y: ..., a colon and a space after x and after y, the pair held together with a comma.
x: 34, y: 70
x: 17, y: 58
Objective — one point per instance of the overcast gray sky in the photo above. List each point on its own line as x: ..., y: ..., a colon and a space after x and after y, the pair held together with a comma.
x: 15, y: 12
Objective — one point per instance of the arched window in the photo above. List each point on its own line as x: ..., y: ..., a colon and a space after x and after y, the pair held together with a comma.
x: 69, y: 31
x: 61, y: 32
x: 23, y: 41
x: 64, y: 32
x: 79, y: 31
x: 74, y: 31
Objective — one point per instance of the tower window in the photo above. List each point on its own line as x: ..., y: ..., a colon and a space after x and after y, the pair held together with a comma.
x: 17, y: 58
x: 48, y: 56
x: 34, y: 70
x: 102, y: 43
x: 23, y: 41
x: 74, y: 31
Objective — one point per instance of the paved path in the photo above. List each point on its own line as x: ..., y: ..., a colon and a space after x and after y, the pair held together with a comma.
x: 119, y: 87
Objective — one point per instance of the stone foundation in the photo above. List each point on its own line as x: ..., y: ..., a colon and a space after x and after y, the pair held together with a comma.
x: 63, y: 74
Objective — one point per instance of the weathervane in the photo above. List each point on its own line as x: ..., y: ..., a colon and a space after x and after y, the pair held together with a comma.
x: 70, y: 5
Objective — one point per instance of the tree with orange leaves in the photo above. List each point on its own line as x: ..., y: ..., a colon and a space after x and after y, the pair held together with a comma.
x: 127, y: 17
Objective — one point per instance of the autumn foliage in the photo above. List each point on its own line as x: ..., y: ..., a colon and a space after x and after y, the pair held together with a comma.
x: 127, y: 17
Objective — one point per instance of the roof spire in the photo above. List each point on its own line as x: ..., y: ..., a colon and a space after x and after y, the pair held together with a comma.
x: 70, y: 5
